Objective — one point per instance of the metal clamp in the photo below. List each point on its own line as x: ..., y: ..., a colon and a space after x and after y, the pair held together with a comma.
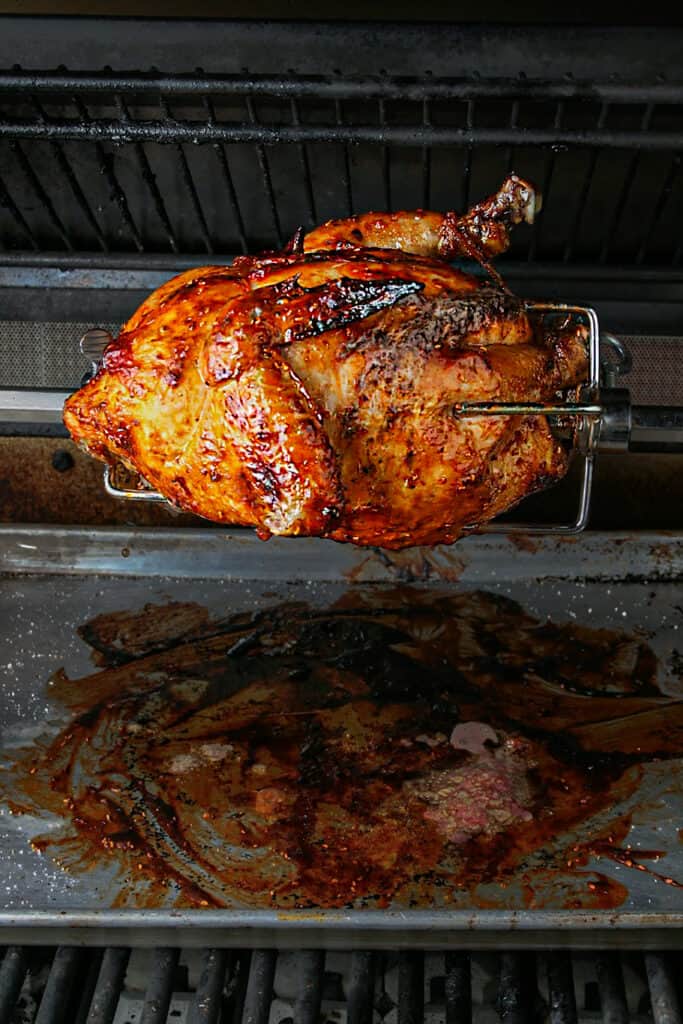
x: 92, y: 345
x: 616, y: 420
x: 620, y: 366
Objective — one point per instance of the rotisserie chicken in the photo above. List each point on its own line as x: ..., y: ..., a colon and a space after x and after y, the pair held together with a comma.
x: 315, y: 391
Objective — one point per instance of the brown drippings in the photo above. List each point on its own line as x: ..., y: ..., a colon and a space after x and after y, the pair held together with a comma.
x: 524, y: 543
x: 285, y: 758
x: 631, y: 857
x: 118, y: 637
x: 612, y: 845
x: 590, y: 890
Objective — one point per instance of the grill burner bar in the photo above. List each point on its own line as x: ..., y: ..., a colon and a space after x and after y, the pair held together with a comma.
x: 262, y: 985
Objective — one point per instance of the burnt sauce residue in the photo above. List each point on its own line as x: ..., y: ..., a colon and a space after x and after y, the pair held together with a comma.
x: 413, y: 749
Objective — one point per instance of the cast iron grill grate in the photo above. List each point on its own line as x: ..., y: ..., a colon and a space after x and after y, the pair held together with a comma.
x: 218, y: 164
x: 121, y: 986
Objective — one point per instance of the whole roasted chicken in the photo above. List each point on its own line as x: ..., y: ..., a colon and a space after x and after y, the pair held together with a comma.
x: 315, y: 391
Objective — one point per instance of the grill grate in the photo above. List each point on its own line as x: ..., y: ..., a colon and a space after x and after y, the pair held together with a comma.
x: 209, y: 164
x: 264, y: 987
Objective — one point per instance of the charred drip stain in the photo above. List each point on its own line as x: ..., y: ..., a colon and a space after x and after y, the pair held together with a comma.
x: 614, y: 846
x: 119, y: 637
x: 414, y: 565
x: 631, y: 858
x: 524, y: 543
x: 296, y: 758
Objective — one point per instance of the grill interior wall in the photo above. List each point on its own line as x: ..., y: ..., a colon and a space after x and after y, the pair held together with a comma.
x: 223, y: 172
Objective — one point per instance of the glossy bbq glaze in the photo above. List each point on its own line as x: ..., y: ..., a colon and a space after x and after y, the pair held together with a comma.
x: 313, y: 391
x: 454, y: 751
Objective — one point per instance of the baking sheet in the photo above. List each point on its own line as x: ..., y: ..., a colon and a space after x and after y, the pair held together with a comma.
x: 40, y: 611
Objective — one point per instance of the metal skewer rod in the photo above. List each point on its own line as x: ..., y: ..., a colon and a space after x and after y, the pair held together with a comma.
x: 526, y: 409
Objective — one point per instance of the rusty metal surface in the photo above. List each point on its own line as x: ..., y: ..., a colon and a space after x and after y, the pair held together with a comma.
x: 50, y: 480
x: 33, y: 491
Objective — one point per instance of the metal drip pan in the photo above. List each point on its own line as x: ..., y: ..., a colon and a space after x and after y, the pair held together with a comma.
x: 623, y: 592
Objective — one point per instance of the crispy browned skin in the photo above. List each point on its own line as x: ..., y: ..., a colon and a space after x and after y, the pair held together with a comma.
x: 313, y: 392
